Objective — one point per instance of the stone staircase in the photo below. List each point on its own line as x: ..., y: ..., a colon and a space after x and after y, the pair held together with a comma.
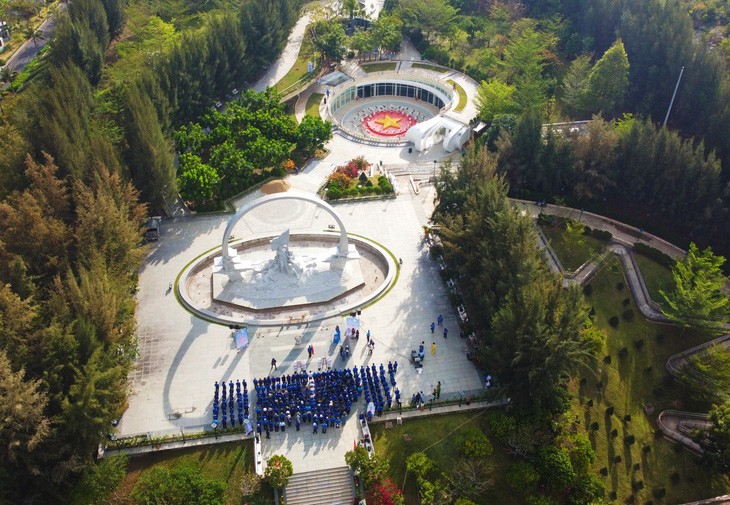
x: 332, y: 486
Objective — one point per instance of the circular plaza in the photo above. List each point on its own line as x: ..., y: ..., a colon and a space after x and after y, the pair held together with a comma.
x: 285, y: 278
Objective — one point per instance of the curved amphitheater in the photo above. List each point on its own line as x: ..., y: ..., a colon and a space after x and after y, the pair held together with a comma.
x: 393, y: 108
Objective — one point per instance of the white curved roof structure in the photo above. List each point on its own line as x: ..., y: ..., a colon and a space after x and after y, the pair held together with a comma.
x: 451, y: 132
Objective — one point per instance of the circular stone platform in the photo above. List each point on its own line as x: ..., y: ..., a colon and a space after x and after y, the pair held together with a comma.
x: 212, y: 295
x: 388, y: 123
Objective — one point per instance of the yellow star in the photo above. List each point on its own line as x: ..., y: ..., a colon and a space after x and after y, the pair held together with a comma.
x: 389, y: 122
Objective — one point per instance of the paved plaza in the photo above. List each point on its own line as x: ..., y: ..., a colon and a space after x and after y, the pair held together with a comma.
x: 181, y: 356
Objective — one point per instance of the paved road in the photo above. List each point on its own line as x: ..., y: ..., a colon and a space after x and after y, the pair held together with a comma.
x: 30, y: 49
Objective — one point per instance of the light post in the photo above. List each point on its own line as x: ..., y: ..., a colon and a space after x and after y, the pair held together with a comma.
x: 435, y: 162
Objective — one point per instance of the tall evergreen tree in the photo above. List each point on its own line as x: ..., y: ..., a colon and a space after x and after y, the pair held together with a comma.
x: 608, y: 81
x: 148, y: 153
x: 115, y: 15
x: 24, y: 427
x: 698, y: 300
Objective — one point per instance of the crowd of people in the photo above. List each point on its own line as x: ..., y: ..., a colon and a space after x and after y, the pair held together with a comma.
x: 224, y: 404
x: 323, y: 399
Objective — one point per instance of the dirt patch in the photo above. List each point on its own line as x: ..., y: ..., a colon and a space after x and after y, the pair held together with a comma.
x: 277, y: 186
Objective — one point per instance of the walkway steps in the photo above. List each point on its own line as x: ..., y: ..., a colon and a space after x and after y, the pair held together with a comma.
x: 333, y: 486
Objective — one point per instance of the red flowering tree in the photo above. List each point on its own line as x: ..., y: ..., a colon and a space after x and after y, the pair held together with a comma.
x: 361, y: 163
x: 384, y: 492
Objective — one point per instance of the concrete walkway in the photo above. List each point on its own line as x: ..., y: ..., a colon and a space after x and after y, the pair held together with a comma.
x: 622, y: 232
x: 288, y: 57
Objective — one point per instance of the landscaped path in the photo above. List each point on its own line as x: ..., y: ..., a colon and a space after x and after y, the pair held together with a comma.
x: 288, y: 57
x: 674, y: 424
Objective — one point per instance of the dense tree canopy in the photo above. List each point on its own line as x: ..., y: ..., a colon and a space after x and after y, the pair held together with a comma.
x: 225, y: 153
x: 531, y: 331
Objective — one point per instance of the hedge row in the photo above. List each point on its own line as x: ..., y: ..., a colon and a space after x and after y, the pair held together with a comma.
x: 654, y: 254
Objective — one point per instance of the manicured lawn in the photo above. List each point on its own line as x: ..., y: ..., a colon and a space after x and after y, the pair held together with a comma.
x: 313, y: 104
x: 378, y: 67
x: 627, y: 383
x: 463, y: 99
x: 656, y: 277
x: 428, y: 66
x: 399, y: 442
x: 226, y: 462
x: 572, y: 256
x: 298, y: 72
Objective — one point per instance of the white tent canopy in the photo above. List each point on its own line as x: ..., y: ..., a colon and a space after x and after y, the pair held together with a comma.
x: 454, y: 134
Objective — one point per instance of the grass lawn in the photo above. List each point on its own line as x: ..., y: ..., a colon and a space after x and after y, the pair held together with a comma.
x: 298, y: 72
x: 392, y: 444
x: 656, y: 277
x: 313, y: 104
x: 463, y: 100
x: 378, y: 67
x: 428, y: 66
x: 627, y: 383
x: 572, y: 256
x: 225, y: 462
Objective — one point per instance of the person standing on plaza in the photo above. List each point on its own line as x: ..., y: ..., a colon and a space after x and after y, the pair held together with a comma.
x: 433, y: 348
x: 314, y: 427
x: 440, y: 320
x: 309, y: 351
x: 368, y: 337
x: 438, y: 390
x: 433, y: 326
x: 446, y: 332
x: 273, y: 364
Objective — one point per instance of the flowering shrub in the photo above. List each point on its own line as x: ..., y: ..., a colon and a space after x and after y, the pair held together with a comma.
x: 288, y: 165
x: 349, y: 169
x: 339, y: 180
x: 384, y: 493
x: 278, y: 470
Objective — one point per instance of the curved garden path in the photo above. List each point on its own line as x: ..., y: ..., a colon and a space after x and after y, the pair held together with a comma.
x: 674, y: 424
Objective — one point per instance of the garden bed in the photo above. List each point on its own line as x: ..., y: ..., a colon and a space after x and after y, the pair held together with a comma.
x: 351, y: 180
